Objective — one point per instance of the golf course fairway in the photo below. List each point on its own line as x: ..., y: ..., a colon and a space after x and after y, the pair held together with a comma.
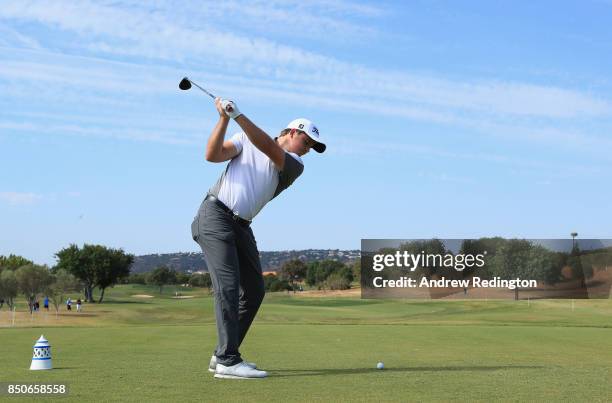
x: 157, y: 349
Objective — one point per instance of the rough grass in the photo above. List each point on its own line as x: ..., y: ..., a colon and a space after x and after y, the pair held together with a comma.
x: 324, y: 349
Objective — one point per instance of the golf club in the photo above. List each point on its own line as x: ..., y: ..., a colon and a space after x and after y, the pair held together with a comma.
x: 185, y: 84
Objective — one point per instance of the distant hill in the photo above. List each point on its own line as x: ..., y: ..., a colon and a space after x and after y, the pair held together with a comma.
x: 270, y: 261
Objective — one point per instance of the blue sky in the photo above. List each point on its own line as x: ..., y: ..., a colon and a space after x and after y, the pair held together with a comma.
x: 447, y: 119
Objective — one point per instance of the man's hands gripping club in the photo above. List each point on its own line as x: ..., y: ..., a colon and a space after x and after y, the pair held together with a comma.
x: 259, y: 138
x: 230, y: 108
x: 227, y: 108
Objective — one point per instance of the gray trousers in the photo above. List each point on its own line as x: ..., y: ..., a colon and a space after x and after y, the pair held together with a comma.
x: 233, y: 262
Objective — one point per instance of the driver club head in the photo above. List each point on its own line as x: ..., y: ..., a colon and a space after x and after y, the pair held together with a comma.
x: 185, y: 84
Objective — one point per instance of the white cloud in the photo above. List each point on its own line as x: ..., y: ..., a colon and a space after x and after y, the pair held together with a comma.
x: 345, y: 145
x: 123, y: 133
x: 328, y: 20
x: 135, y: 32
x: 19, y: 199
x: 255, y: 68
x: 446, y: 177
x: 116, y: 90
x: 141, y: 32
x: 10, y: 37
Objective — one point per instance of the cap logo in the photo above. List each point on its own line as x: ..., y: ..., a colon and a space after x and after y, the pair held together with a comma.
x: 315, y: 130
x: 301, y: 126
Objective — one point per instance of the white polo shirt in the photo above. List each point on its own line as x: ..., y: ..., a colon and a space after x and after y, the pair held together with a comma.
x: 251, y: 179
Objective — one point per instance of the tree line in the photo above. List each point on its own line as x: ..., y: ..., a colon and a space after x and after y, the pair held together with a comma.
x: 85, y: 269
x: 21, y: 276
x: 77, y: 269
x: 323, y: 274
x: 163, y: 275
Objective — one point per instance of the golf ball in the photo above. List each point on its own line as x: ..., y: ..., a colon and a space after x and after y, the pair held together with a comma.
x: 380, y: 365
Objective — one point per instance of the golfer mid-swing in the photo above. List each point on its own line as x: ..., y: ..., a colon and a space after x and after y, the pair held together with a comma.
x: 259, y: 169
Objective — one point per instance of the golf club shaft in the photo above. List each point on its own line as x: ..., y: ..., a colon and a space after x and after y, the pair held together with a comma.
x: 208, y: 93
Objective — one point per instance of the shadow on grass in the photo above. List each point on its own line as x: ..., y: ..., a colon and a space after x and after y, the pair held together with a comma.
x: 357, y: 371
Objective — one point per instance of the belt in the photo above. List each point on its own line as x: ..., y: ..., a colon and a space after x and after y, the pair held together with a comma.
x: 222, y: 206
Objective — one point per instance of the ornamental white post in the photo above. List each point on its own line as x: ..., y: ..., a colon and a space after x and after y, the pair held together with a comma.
x: 41, y: 358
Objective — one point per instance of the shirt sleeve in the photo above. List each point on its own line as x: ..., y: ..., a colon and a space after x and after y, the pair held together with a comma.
x: 292, y: 170
x: 238, y: 140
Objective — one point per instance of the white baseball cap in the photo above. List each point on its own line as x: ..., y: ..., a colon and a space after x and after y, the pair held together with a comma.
x: 311, y: 130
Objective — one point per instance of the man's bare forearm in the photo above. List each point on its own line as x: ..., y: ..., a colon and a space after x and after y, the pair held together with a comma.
x: 258, y: 137
x: 214, y: 148
x: 262, y: 141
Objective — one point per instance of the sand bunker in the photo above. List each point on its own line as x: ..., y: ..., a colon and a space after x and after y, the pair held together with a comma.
x: 183, y: 296
x: 353, y: 292
x: 142, y: 296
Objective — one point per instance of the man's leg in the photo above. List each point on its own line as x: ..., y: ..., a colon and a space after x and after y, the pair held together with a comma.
x: 252, y: 288
x: 217, y: 240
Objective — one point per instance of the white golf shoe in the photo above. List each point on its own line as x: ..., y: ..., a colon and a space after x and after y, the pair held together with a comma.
x: 239, y: 371
x: 213, y: 364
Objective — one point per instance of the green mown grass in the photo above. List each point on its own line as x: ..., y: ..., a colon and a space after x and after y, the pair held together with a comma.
x: 324, y: 349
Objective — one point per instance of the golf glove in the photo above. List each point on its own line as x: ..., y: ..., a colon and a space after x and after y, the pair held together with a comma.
x: 230, y: 108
